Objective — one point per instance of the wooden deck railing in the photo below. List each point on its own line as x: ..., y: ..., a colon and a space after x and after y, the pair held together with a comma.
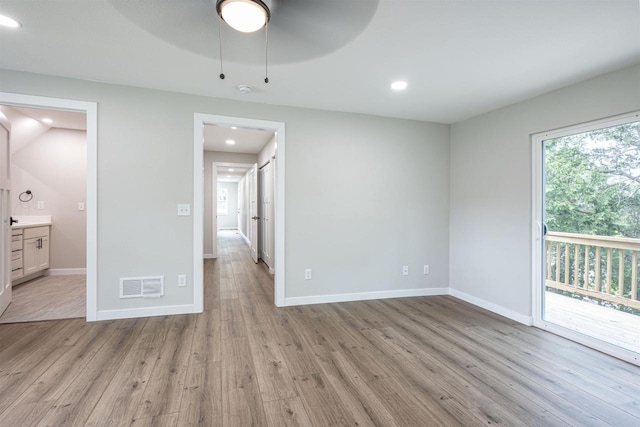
x: 596, y: 266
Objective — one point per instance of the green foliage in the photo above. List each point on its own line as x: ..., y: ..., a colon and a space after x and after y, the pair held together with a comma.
x: 593, y: 182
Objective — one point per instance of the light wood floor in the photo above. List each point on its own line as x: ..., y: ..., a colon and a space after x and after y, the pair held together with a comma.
x: 47, y: 298
x: 431, y: 361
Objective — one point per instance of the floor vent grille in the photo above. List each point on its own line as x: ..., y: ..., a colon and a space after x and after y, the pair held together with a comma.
x: 142, y: 287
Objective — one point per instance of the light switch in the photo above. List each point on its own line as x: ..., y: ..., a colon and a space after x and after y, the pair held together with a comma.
x: 80, y: 206
x: 184, y: 210
x: 40, y: 204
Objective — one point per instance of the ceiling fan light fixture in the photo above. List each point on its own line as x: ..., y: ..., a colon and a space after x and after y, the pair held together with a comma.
x: 245, y: 16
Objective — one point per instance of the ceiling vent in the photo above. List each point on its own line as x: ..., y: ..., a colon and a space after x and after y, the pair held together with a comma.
x: 142, y: 287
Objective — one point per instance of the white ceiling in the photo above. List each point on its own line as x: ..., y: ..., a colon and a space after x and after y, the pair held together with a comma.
x: 461, y: 58
x: 61, y: 119
x: 231, y: 172
x: 247, y: 140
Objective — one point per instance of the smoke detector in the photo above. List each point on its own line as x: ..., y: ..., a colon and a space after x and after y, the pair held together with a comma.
x: 244, y: 89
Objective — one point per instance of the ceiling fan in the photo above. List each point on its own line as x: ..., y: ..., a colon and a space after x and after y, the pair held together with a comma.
x: 299, y: 30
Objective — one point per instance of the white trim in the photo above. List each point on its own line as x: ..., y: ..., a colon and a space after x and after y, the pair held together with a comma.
x: 214, y: 208
x: 228, y: 228
x: 131, y: 313
x: 537, y: 243
x: 495, y: 308
x: 91, y: 110
x: 198, y: 212
x: 208, y: 256
x: 245, y: 238
x: 200, y: 119
x: 363, y: 296
x: 65, y: 271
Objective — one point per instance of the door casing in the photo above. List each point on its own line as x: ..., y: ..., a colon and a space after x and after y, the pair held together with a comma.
x: 199, y: 120
x: 91, y: 111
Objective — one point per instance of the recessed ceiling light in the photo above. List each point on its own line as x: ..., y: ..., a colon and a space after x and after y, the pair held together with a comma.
x: 234, y: 127
x: 231, y: 170
x: 5, y: 21
x: 228, y: 176
x: 230, y: 141
x: 47, y: 120
x: 399, y: 85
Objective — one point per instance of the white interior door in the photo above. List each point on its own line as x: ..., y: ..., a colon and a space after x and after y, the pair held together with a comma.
x: 253, y: 211
x: 266, y: 185
x: 5, y: 214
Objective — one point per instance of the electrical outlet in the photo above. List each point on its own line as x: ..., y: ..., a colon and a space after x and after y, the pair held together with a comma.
x: 40, y: 204
x: 405, y: 270
x: 80, y: 206
x: 307, y: 274
x: 182, y: 280
x: 184, y: 210
x: 426, y: 269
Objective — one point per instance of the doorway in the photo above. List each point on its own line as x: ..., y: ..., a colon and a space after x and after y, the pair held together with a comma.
x: 278, y: 129
x: 587, y: 234
x: 86, y: 204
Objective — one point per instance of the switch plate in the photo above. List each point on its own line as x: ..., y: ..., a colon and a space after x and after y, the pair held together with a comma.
x: 80, y: 206
x: 184, y: 210
x: 426, y: 269
x: 182, y: 280
x: 40, y: 204
x: 405, y: 270
x: 307, y: 274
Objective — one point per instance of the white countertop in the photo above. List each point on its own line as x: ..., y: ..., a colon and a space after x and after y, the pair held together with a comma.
x: 28, y: 221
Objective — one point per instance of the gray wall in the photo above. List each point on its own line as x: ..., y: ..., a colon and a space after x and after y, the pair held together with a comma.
x: 209, y: 158
x: 230, y: 220
x: 54, y: 167
x: 376, y: 191
x: 490, y: 215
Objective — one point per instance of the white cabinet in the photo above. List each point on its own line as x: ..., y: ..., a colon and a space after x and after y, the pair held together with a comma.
x: 16, y: 254
x: 35, y: 252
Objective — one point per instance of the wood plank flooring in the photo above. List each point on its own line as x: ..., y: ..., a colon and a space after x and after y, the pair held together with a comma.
x: 430, y: 361
x: 48, y: 298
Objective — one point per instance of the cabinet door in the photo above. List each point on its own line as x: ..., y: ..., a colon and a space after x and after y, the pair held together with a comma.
x: 42, y: 255
x: 29, y: 256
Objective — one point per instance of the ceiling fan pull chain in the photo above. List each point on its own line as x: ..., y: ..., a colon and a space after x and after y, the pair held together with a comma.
x: 266, y: 53
x: 220, y: 39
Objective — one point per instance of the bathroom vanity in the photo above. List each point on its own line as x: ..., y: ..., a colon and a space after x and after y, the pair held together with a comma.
x: 29, y: 247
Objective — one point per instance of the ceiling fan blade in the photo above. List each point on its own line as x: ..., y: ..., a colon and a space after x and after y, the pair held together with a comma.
x: 299, y: 30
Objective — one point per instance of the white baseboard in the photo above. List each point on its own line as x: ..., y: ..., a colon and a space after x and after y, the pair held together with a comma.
x: 362, y: 296
x: 495, y: 308
x: 227, y: 228
x: 208, y: 256
x: 131, y: 313
x: 246, y: 240
x: 65, y: 271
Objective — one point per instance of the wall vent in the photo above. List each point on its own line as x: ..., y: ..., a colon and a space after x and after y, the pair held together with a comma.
x: 142, y: 287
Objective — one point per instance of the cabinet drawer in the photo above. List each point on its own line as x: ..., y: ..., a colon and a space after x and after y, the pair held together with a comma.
x: 30, y: 233
x: 16, y: 274
x: 16, y: 255
x: 16, y: 233
x: 16, y: 264
x: 16, y: 245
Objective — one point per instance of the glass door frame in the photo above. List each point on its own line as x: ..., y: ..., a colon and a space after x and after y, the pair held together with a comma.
x: 537, y: 238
